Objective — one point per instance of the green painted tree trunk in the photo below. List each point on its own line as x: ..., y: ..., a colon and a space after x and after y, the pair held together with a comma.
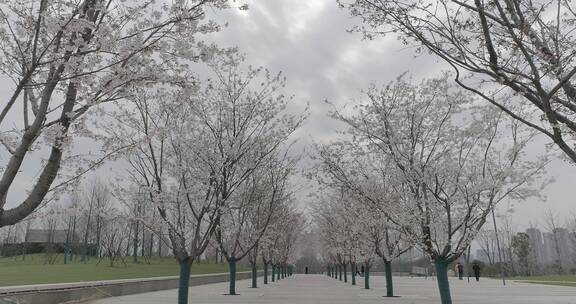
x: 254, y: 276
x: 366, y: 277
x: 273, y: 272
x: 184, y: 281
x: 389, y: 283
x: 265, y: 273
x: 335, y: 268
x: 442, y: 278
x: 345, y: 266
x: 232, y: 270
x: 353, y: 273
x: 278, y: 272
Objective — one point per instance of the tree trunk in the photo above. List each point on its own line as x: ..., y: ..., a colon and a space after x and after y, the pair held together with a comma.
x: 366, y: 277
x: 232, y: 270
x: 265, y: 273
x: 184, y: 281
x: 151, y: 251
x: 353, y: 273
x: 98, y: 234
x: 143, y: 242
x: 273, y: 272
x: 340, y: 272
x: 345, y: 266
x: 254, y: 276
x: 135, y: 242
x: 73, y: 240
x: 389, y: 283
x: 278, y: 270
x: 442, y: 278
x: 85, y: 247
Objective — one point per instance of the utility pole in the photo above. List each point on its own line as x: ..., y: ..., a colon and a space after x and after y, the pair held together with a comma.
x: 499, y: 251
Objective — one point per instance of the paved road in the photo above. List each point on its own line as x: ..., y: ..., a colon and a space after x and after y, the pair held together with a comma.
x: 318, y: 289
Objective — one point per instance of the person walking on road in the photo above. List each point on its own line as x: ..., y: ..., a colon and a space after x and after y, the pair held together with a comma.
x: 476, y: 269
x: 459, y: 270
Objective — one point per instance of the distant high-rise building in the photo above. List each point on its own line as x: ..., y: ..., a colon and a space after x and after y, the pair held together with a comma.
x: 549, y: 247
x: 536, y: 245
x: 562, y: 237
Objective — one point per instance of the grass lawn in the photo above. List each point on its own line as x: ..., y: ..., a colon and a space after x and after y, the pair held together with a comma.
x: 33, y: 270
x: 560, y: 280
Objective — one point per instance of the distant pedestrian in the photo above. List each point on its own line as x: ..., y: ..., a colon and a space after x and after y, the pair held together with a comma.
x: 362, y: 270
x: 306, y: 270
x: 459, y: 270
x: 476, y: 269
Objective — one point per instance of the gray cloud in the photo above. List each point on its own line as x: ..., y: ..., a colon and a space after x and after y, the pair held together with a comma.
x: 309, y: 42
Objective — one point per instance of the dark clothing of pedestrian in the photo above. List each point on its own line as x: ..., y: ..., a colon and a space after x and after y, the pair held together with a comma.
x: 362, y: 270
x: 460, y: 269
x: 476, y: 269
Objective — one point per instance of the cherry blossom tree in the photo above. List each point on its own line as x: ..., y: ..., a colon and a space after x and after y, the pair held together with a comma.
x: 243, y: 223
x: 448, y: 161
x: 330, y: 230
x: 345, y: 235
x: 514, y: 54
x: 244, y: 112
x: 278, y: 243
x: 271, y: 243
x: 199, y: 145
x: 170, y: 170
x: 347, y: 167
x: 65, y: 59
x: 293, y: 225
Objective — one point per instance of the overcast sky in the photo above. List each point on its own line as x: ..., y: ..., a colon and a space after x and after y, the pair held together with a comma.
x: 308, y: 41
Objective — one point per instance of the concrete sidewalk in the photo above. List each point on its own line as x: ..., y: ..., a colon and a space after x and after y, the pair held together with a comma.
x: 318, y: 289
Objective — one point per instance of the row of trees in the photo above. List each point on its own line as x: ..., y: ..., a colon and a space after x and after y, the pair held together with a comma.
x: 420, y: 165
x: 209, y: 166
x: 87, y: 223
x: 514, y: 55
x: 533, y: 252
x: 209, y: 156
x: 68, y: 60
